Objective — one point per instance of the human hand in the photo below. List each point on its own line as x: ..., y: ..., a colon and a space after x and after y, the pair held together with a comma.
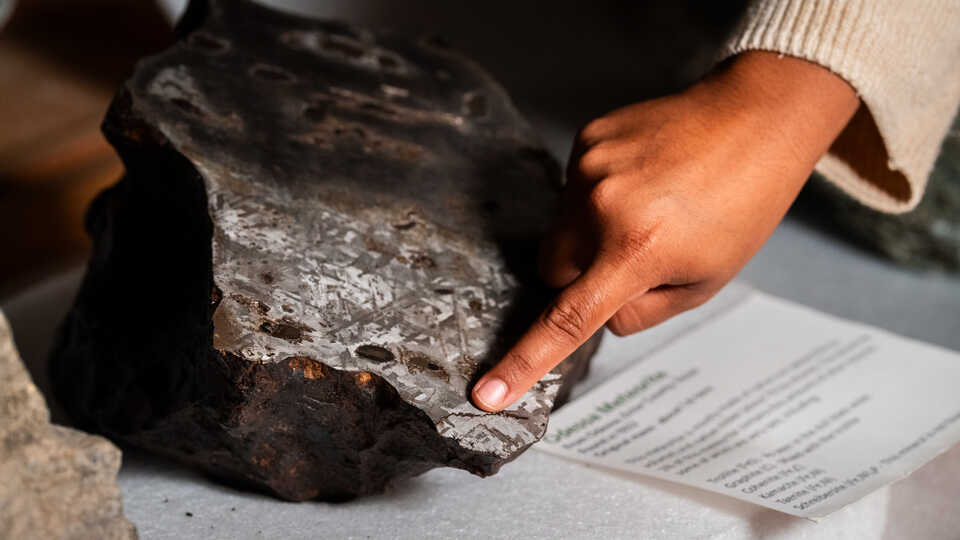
x: 666, y: 200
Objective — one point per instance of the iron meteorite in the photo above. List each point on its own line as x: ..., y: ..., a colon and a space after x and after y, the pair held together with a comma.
x: 323, y: 237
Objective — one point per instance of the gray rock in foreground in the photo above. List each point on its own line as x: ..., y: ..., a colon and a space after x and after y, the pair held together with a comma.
x: 55, y: 482
x: 325, y: 235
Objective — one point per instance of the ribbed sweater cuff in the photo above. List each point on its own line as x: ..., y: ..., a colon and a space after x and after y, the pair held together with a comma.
x: 895, y: 57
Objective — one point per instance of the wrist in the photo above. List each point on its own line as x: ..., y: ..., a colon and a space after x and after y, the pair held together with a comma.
x: 785, y: 102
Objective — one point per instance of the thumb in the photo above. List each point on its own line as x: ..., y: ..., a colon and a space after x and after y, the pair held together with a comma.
x: 563, y: 255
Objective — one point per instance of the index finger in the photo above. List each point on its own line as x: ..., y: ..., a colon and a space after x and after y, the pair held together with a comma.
x: 577, y: 312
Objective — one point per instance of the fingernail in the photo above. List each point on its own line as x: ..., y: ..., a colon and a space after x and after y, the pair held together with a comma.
x: 490, y: 392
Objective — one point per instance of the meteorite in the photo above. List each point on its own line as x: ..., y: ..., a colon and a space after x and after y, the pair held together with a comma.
x: 323, y: 237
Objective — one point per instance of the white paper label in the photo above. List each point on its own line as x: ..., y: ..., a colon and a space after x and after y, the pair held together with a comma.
x: 772, y: 403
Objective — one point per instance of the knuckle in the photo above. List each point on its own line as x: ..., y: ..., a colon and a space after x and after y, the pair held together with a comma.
x: 618, y: 326
x: 592, y: 131
x: 594, y: 162
x: 635, y: 246
x: 519, y: 367
x: 640, y: 253
x: 602, y: 196
x: 634, y: 241
x: 626, y: 321
x: 566, y: 321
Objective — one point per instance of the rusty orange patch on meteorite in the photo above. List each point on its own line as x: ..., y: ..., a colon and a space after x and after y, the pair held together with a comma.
x: 311, y: 368
x: 362, y: 377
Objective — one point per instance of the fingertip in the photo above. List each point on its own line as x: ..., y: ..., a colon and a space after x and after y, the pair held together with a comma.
x: 490, y: 393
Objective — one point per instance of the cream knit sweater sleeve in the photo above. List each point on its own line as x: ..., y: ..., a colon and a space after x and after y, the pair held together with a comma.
x: 903, y: 59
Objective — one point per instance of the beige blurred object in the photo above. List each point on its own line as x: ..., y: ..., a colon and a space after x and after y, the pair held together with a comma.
x: 57, y: 482
x: 53, y: 159
x: 60, y: 63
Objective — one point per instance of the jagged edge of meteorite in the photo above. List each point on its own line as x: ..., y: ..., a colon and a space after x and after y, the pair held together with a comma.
x: 129, y: 133
x: 131, y: 136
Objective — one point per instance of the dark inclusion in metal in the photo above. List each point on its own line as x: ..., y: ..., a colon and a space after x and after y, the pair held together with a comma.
x: 323, y: 237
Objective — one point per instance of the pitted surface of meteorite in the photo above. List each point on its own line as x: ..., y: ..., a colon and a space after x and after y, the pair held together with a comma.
x: 374, y: 205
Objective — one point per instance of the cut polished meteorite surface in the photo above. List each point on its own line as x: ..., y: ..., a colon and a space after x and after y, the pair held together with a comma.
x: 323, y: 237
